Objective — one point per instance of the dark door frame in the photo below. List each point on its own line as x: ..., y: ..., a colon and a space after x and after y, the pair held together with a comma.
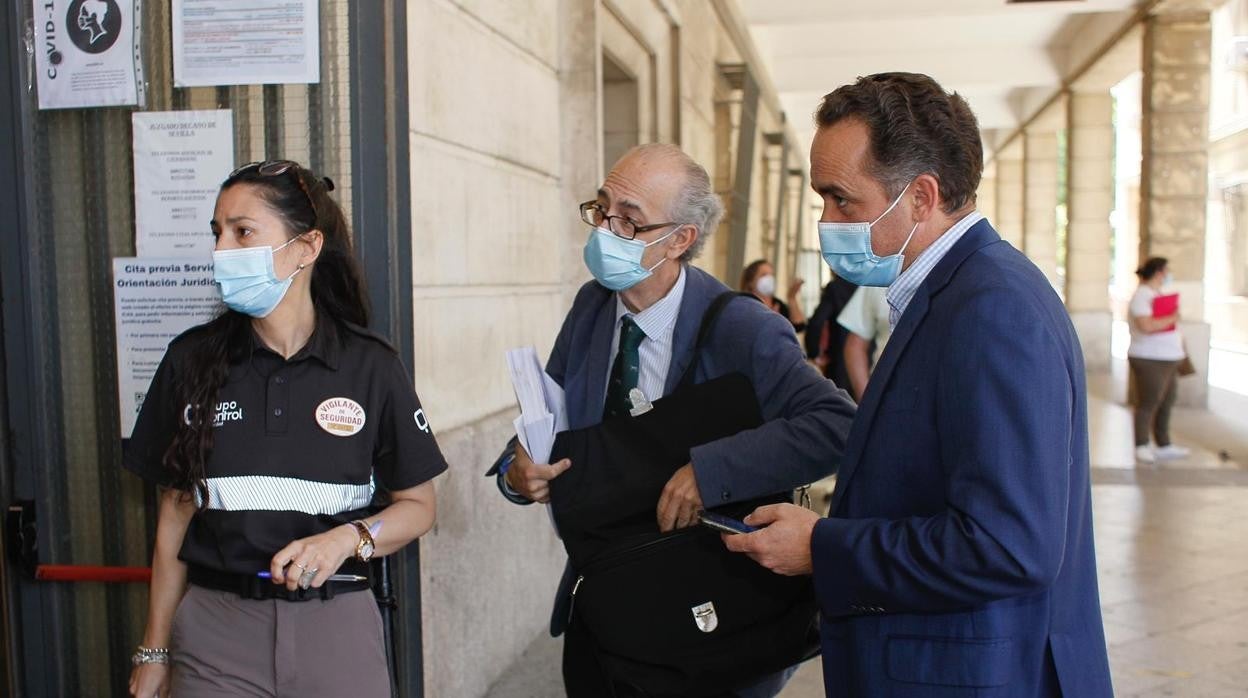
x: 381, y: 193
x: 36, y: 633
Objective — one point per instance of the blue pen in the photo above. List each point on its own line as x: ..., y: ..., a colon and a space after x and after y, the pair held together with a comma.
x: 332, y: 578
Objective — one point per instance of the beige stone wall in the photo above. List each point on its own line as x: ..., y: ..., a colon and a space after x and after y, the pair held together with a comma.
x: 507, y: 135
x: 488, y: 274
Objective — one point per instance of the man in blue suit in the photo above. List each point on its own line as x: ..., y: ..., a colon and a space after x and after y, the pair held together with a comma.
x: 957, y: 559
x: 634, y: 327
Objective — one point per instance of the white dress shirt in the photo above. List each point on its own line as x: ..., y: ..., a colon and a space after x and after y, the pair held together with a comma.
x: 658, y: 322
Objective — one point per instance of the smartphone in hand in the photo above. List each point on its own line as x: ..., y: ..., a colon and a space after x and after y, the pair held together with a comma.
x: 724, y: 524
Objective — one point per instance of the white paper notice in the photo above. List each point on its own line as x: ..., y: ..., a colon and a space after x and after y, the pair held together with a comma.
x: 543, y: 413
x: 245, y: 42
x: 87, y: 53
x: 155, y: 300
x: 180, y: 160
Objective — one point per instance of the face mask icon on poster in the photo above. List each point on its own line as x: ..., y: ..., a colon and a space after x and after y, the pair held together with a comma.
x: 93, y: 25
x: 248, y: 282
x: 846, y: 248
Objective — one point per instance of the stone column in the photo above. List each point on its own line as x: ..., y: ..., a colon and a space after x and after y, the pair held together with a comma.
x: 1174, y: 179
x: 1009, y: 194
x: 986, y: 196
x: 1040, y: 200
x: 1089, y: 236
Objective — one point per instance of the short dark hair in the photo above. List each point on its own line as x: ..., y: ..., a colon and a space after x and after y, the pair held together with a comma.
x: 1150, y: 267
x: 916, y: 128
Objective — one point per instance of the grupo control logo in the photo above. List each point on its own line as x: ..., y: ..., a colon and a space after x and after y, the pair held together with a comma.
x: 93, y: 25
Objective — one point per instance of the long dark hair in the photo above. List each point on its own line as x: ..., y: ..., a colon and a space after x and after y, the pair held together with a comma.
x: 302, y: 201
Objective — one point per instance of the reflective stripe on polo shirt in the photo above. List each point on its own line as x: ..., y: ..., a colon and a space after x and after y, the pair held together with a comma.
x: 267, y: 493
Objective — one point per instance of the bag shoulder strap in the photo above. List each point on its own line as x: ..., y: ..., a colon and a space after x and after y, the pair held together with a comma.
x: 709, y: 319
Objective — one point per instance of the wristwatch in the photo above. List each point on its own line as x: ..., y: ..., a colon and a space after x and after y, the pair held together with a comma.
x: 367, y: 546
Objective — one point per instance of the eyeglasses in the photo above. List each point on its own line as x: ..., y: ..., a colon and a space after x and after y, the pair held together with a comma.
x: 595, y: 215
x: 276, y: 168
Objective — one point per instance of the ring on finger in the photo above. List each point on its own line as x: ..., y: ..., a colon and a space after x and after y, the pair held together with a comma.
x: 305, y: 579
x: 302, y: 567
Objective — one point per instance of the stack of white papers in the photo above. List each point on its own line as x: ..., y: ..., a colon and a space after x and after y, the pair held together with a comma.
x: 542, y: 411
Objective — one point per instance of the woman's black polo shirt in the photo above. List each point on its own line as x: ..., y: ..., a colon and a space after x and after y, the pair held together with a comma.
x: 299, y: 445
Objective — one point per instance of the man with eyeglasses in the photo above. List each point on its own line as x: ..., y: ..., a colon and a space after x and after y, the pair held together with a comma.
x: 633, y: 328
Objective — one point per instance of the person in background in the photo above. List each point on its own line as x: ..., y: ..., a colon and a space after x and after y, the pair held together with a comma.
x: 269, y: 431
x: 865, y: 319
x: 759, y: 278
x: 1155, y: 353
x: 825, y: 338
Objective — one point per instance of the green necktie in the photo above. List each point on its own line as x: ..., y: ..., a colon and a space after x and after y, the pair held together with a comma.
x: 626, y: 370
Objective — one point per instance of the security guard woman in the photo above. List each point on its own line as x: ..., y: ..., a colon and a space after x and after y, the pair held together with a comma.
x: 268, y: 430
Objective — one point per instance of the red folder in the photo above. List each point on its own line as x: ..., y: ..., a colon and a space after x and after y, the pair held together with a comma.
x: 1166, y: 305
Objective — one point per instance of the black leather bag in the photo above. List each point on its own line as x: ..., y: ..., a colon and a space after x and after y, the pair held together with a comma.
x: 673, y: 614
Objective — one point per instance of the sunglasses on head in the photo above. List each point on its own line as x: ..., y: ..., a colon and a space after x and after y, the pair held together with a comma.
x: 275, y: 168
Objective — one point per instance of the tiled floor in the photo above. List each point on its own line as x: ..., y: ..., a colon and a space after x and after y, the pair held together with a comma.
x: 1172, y: 551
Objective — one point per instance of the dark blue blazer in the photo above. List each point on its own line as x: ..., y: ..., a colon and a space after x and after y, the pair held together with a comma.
x: 807, y: 418
x: 958, y: 557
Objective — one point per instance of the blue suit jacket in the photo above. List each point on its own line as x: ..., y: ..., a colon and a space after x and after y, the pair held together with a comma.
x: 958, y: 558
x: 807, y: 418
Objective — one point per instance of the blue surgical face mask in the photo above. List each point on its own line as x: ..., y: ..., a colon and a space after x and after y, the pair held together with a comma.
x: 616, y: 262
x: 248, y: 282
x: 847, y: 249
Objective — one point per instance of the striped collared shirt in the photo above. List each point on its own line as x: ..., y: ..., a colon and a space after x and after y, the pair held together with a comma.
x: 659, y: 323
x: 902, y: 291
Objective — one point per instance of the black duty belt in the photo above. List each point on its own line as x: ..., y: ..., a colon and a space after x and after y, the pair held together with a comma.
x: 257, y: 588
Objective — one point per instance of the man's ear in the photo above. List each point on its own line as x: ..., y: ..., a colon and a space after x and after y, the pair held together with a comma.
x: 925, y: 194
x: 682, y: 240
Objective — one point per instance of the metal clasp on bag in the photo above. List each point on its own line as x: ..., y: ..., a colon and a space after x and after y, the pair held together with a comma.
x: 572, y: 601
x: 706, y: 618
x: 803, y: 497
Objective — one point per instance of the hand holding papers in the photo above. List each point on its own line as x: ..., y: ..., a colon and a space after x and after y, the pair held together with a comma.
x: 542, y: 412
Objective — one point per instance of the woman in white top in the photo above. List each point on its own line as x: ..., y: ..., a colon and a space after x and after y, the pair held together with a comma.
x: 1155, y: 353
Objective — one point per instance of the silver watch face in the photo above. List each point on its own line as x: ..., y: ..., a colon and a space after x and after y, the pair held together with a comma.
x: 366, y: 550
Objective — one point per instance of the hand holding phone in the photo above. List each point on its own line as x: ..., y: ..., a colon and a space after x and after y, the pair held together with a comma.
x: 724, y: 524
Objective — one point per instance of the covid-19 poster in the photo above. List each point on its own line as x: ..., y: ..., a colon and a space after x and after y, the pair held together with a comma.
x: 87, y: 53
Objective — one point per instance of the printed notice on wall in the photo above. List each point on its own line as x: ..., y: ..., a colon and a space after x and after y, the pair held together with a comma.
x: 180, y: 160
x: 245, y: 42
x: 87, y: 53
x: 155, y: 300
